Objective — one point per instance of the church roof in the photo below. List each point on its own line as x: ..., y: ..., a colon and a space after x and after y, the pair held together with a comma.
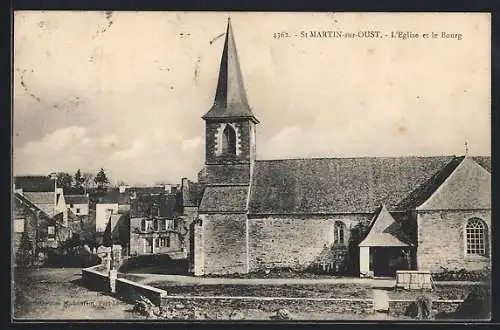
x: 385, y: 231
x: 345, y: 185
x: 230, y: 97
x: 467, y: 187
x: 230, y: 198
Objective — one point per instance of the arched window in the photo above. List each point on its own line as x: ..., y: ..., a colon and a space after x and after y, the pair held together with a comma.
x: 476, y: 237
x: 339, y: 233
x: 229, y: 141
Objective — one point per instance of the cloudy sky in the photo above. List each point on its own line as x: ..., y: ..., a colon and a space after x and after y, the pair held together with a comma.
x: 125, y: 90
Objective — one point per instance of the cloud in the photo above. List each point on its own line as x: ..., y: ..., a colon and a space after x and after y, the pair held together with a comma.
x: 146, y: 159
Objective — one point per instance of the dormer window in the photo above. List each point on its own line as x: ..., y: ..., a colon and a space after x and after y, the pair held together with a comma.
x: 229, y: 141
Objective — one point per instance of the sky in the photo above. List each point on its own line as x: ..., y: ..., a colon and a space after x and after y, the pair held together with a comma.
x: 125, y: 91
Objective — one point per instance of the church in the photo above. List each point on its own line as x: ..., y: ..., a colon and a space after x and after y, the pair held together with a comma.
x: 367, y: 216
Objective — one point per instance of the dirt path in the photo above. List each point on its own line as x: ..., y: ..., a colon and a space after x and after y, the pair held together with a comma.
x: 56, y: 293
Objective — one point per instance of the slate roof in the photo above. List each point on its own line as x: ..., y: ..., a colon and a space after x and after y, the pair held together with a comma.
x: 343, y: 185
x: 385, y: 231
x: 224, y: 199
x: 230, y: 97
x: 32, y: 183
x: 140, y: 207
x: 467, y: 187
x: 76, y: 199
x: 22, y: 200
x: 40, y: 197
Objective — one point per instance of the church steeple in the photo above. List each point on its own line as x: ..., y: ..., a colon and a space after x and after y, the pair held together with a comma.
x: 230, y: 97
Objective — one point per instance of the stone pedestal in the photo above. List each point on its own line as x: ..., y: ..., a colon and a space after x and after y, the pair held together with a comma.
x: 112, y: 280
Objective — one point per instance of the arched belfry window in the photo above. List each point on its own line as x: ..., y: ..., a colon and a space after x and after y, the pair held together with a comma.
x: 476, y: 236
x: 339, y: 233
x: 229, y: 140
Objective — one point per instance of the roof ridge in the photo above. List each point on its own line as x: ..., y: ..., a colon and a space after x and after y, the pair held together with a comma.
x: 361, y: 157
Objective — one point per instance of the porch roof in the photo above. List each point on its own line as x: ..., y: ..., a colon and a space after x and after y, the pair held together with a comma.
x: 385, y: 232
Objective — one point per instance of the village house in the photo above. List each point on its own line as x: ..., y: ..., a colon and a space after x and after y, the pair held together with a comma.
x: 78, y: 204
x: 34, y: 230
x: 366, y: 216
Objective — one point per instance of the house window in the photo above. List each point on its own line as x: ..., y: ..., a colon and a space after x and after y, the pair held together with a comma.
x: 51, y: 230
x: 19, y: 225
x: 163, y: 224
x: 229, y: 141
x: 476, y: 233
x: 164, y: 242
x: 156, y: 225
x: 77, y: 211
x: 143, y: 225
x: 339, y: 233
x: 71, y: 205
x: 155, y: 211
x: 149, y: 225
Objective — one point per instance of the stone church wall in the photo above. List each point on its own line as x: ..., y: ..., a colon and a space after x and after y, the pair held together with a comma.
x: 441, y: 240
x: 294, y: 241
x: 224, y: 244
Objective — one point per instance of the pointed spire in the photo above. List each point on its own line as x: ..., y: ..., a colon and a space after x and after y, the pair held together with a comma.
x: 230, y: 97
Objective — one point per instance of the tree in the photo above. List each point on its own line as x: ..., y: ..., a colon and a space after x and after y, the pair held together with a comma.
x: 101, y: 179
x: 64, y: 180
x: 78, y: 178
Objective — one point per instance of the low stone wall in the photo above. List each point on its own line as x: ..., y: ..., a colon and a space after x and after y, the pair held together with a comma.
x: 93, y: 279
x: 399, y: 307
x: 271, y: 304
x: 131, y: 290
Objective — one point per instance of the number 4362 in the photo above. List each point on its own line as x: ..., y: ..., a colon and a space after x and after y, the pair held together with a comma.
x: 280, y: 35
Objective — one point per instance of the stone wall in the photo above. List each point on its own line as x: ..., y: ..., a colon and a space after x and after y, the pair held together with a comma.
x: 224, y: 242
x: 294, y: 241
x: 211, y: 305
x: 225, y: 174
x: 213, y: 132
x: 441, y: 240
x: 132, y: 290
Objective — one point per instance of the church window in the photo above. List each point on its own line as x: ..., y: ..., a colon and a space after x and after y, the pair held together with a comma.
x: 476, y: 233
x: 229, y: 141
x: 339, y: 233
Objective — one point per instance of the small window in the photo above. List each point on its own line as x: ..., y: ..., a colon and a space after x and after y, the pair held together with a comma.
x: 339, y: 233
x: 164, y: 224
x: 143, y: 225
x: 167, y: 243
x: 77, y: 211
x: 19, y: 225
x: 155, y: 211
x: 51, y: 230
x: 71, y: 205
x: 476, y: 237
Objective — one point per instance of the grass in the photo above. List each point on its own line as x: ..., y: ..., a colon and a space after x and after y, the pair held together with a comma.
x: 292, y: 290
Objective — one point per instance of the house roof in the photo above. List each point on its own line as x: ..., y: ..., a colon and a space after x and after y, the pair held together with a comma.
x: 385, y: 231
x: 40, y: 197
x: 32, y: 183
x: 229, y: 198
x: 141, y: 206
x: 467, y: 187
x: 22, y: 200
x: 76, y: 199
x: 338, y: 185
x: 230, y: 97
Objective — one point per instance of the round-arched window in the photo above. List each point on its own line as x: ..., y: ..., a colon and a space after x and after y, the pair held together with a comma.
x: 476, y: 237
x: 229, y: 140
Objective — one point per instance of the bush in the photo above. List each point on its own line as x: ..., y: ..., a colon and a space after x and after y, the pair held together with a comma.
x: 420, y: 309
x: 477, y: 304
x: 462, y: 275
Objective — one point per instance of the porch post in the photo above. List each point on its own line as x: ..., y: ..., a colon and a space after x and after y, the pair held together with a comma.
x: 364, y: 260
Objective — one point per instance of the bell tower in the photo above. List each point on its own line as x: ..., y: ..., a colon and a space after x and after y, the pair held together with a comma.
x: 229, y: 124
